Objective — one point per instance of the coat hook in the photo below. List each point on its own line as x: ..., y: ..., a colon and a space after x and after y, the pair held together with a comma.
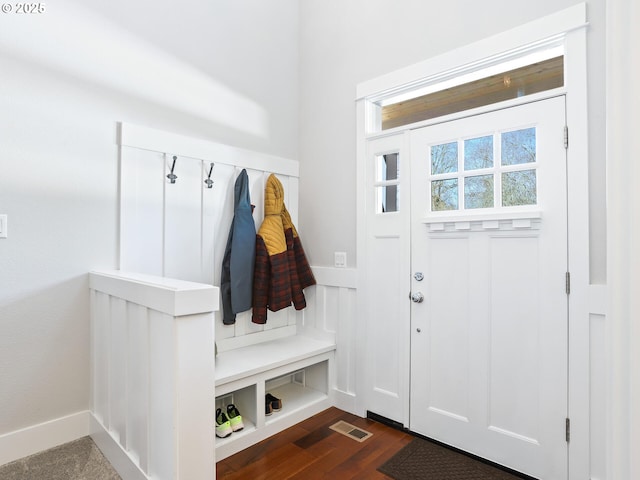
x: 208, y: 181
x: 172, y: 177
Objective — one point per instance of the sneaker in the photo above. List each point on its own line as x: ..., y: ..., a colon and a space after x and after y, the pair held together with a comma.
x: 223, y: 425
x: 267, y: 407
x: 234, y: 418
x: 276, y: 403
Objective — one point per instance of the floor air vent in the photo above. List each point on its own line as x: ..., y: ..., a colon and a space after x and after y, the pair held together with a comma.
x: 350, y: 431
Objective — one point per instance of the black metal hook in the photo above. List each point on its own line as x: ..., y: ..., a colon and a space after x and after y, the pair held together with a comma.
x: 208, y: 181
x: 172, y: 177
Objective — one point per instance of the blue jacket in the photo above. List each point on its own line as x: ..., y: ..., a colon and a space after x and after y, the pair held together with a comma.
x: 239, y: 257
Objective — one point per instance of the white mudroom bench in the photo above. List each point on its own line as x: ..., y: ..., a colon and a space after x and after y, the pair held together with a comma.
x: 296, y: 369
x: 156, y: 381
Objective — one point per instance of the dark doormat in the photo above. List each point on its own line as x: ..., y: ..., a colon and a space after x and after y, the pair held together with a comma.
x: 424, y: 460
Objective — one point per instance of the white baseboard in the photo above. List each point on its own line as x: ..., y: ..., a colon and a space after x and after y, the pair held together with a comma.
x: 36, y: 438
x: 345, y: 401
x: 126, y: 466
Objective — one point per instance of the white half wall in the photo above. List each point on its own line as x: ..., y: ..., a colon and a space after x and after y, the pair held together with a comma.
x: 331, y: 314
x: 152, y: 374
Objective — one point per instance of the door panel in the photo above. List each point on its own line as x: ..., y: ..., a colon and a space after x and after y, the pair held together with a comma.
x: 385, y: 367
x: 386, y: 309
x: 448, y: 340
x: 514, y: 336
x: 489, y: 341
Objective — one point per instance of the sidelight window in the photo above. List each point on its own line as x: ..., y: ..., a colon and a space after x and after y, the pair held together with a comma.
x: 387, y: 183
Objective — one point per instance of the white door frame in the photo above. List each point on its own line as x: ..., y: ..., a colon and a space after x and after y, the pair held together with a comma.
x: 567, y: 29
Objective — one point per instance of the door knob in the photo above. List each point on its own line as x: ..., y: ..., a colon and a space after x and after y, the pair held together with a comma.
x: 419, y: 276
x: 417, y: 297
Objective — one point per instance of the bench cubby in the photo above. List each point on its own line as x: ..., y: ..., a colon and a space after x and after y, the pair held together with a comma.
x: 297, y: 369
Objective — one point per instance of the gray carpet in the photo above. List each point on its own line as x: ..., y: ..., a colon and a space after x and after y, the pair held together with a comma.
x: 77, y: 460
x: 424, y: 460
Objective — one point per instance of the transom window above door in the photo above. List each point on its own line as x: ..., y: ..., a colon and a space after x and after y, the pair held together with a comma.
x: 487, y: 171
x: 537, y: 72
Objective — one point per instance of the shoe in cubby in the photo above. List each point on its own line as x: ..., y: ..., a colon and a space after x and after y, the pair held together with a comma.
x: 276, y: 403
x: 235, y: 419
x: 223, y: 425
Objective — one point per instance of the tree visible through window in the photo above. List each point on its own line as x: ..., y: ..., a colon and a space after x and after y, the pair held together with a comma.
x: 464, y: 174
x: 444, y: 160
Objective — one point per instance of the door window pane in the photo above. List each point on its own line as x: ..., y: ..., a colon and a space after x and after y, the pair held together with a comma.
x: 519, y: 188
x: 444, y: 194
x: 387, y: 167
x: 444, y: 158
x: 387, y: 199
x: 387, y: 189
x: 478, y: 153
x: 478, y: 191
x: 519, y: 147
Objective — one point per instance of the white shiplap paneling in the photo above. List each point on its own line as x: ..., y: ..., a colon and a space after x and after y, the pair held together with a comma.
x: 153, y: 374
x: 180, y: 230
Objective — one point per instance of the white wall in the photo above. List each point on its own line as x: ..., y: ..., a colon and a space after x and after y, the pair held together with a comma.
x: 224, y: 70
x: 622, y: 330
x: 344, y: 43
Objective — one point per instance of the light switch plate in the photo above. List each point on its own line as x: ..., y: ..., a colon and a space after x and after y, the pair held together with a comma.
x: 3, y: 226
x: 340, y: 259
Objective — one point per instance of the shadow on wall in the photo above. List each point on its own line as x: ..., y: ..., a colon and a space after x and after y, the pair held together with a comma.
x: 71, y: 39
x: 55, y: 373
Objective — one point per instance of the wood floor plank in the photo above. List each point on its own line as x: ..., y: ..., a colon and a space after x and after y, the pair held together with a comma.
x: 370, y: 475
x: 313, y: 437
x: 325, y: 418
x: 224, y: 470
x: 322, y: 468
x: 256, y: 452
x: 311, y: 450
x: 285, y: 459
x: 372, y: 453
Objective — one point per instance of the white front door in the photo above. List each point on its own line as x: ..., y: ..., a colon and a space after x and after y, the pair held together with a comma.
x: 489, y: 236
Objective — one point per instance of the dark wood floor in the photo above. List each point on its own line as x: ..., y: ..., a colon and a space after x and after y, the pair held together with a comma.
x: 310, y: 450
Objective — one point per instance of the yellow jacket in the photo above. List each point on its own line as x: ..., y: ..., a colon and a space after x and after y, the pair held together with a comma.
x: 281, y: 269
